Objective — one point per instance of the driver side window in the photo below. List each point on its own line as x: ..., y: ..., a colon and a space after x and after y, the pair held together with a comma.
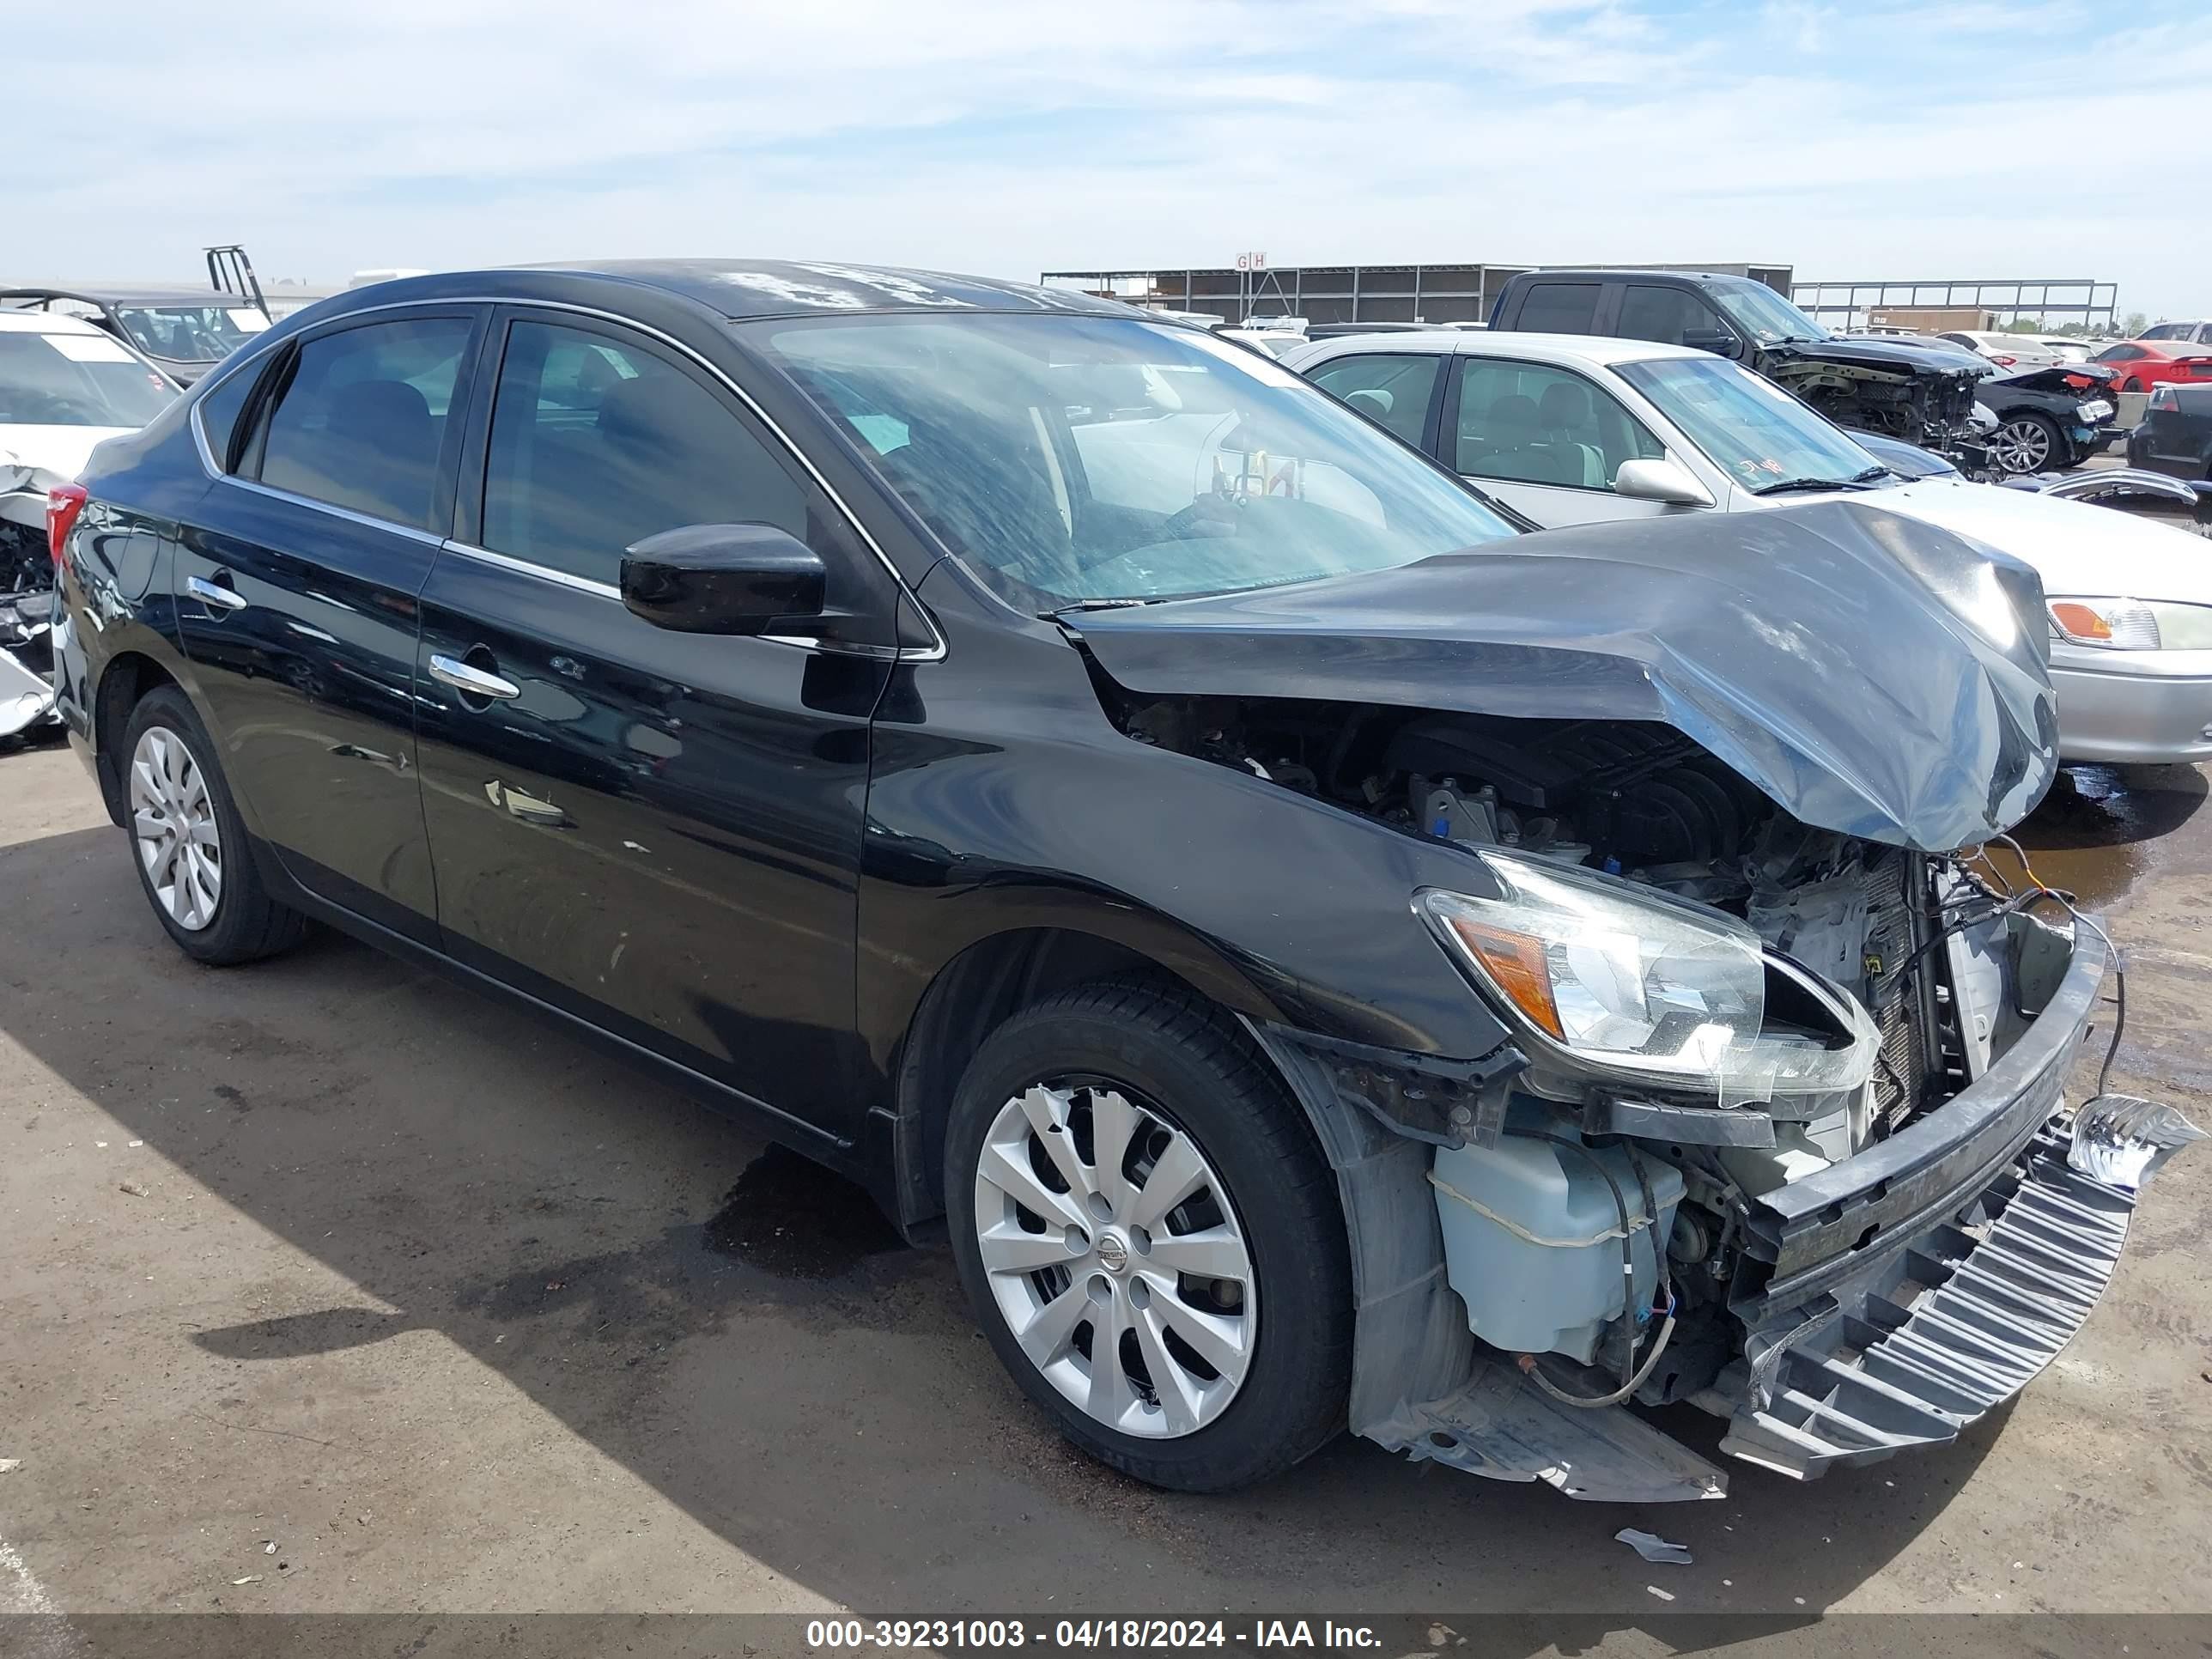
x: 1530, y: 423
x: 597, y: 443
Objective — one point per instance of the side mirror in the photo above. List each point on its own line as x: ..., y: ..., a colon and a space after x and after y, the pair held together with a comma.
x: 723, y: 578
x: 1667, y: 481
x: 1718, y: 341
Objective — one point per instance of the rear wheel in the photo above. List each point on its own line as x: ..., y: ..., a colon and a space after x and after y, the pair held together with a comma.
x: 188, y: 844
x: 2028, y: 443
x: 1151, y: 1237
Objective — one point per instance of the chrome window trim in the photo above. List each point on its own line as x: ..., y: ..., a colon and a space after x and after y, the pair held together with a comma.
x: 413, y: 533
x: 524, y: 567
x: 934, y: 652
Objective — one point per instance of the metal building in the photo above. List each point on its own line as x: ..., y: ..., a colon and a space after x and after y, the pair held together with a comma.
x: 1343, y: 294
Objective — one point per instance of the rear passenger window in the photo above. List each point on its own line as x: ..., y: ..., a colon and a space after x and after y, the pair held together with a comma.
x: 1663, y: 313
x: 1391, y: 389
x: 597, y: 443
x: 1559, y: 308
x: 361, y: 416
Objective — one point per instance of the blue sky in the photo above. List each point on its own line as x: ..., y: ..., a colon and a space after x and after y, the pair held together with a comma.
x: 2040, y: 139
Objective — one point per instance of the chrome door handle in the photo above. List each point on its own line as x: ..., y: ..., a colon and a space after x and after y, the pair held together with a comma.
x: 470, y: 680
x: 214, y: 594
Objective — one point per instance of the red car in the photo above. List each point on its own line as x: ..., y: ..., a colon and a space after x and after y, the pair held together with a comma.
x: 2143, y: 364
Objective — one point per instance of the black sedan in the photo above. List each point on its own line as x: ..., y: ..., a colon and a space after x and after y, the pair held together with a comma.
x: 2049, y: 419
x: 1299, y: 937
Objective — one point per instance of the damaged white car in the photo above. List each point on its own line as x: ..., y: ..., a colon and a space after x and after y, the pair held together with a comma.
x: 64, y: 386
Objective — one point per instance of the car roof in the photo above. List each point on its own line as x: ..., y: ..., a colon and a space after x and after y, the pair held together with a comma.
x: 1601, y: 349
x: 742, y: 289
x: 1623, y: 273
x: 125, y: 293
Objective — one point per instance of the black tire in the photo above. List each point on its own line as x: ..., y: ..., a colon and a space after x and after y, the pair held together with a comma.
x: 248, y: 924
x: 2019, y: 426
x: 1158, y: 1039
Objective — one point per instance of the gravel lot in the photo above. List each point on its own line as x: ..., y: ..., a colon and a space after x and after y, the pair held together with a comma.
x: 330, y: 1256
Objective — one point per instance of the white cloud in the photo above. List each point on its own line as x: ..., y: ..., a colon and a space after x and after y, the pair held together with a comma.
x: 1978, y: 139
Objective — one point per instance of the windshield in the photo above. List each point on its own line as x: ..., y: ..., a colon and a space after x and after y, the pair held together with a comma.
x: 1755, y: 432
x: 192, y: 334
x: 1765, y: 315
x: 76, y: 379
x: 1091, y: 458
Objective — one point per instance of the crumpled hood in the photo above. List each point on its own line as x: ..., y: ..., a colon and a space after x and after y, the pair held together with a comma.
x: 1922, y: 362
x: 1873, y: 674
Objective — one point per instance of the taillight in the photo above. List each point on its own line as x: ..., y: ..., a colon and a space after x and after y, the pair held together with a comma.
x: 2002, y: 361
x: 2164, y: 398
x: 63, y: 503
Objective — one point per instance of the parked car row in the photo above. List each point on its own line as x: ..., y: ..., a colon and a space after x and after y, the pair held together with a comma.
x: 1568, y: 430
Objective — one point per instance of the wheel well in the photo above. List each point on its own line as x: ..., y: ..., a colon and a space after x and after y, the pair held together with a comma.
x: 128, y: 678
x: 971, y: 997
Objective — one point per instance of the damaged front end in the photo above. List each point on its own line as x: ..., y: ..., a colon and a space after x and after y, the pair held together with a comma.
x: 1779, y: 1132
x: 26, y: 601
x: 1924, y: 397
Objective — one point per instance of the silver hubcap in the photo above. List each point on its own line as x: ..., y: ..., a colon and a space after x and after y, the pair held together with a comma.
x: 172, y: 821
x: 2023, y: 447
x: 1115, y: 1255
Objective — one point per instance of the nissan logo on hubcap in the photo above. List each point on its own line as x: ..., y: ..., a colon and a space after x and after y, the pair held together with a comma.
x: 1113, y: 1253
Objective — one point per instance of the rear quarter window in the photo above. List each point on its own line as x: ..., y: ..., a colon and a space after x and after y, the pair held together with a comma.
x: 219, y: 411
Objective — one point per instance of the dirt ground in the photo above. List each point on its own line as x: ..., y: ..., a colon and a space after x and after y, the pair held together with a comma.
x: 328, y: 1276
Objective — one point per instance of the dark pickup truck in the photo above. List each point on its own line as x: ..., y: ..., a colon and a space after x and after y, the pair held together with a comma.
x: 1922, y: 396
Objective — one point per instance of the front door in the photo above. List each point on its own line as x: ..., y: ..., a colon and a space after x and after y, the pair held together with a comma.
x: 296, y: 583
x: 1546, y: 441
x: 658, y: 831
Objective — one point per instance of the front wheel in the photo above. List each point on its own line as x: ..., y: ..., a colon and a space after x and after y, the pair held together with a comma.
x: 1151, y: 1237
x: 2026, y: 444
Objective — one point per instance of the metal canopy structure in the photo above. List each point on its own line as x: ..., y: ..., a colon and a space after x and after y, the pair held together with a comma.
x: 2062, y: 298
x: 1461, y: 293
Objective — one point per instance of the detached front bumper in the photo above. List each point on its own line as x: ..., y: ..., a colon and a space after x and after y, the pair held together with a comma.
x: 1910, y: 1288
x: 1913, y: 1349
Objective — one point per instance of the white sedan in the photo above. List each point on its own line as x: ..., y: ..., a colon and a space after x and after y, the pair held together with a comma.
x: 1575, y: 430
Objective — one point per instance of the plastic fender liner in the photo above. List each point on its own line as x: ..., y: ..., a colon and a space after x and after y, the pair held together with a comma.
x: 1418, y: 1385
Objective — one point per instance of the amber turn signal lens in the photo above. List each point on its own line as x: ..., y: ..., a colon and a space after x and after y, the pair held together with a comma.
x: 2081, y: 621
x: 1515, y: 962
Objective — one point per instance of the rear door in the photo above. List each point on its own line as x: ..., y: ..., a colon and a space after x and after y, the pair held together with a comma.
x: 297, y: 581
x: 1547, y: 441
x: 657, y: 831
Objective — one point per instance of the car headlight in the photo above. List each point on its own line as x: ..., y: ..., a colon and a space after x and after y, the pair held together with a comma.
x: 2093, y: 411
x: 2116, y: 624
x: 1636, y: 984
